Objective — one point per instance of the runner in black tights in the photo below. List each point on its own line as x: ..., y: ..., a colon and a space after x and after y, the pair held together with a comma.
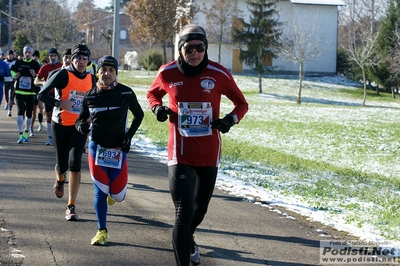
x: 24, y: 72
x: 69, y: 84
x: 194, y: 85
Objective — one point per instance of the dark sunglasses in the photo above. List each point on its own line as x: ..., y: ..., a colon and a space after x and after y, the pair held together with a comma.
x: 199, y: 48
x: 79, y: 57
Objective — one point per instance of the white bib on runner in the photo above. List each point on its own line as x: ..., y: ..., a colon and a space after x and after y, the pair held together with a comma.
x: 25, y: 83
x: 108, y: 157
x: 77, y: 97
x: 194, y: 119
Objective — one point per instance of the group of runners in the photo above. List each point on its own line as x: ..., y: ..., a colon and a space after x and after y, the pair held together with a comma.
x: 21, y: 87
x: 97, y: 107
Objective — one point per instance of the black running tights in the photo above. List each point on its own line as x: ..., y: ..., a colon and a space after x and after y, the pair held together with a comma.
x: 191, y: 190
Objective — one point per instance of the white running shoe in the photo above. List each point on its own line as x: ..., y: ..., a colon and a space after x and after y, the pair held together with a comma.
x: 49, y: 141
x: 31, y: 132
x: 195, y: 254
x: 40, y: 128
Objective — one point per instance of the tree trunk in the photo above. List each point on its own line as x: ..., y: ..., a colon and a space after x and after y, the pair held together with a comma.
x: 219, y: 52
x: 260, y: 82
x: 172, y: 48
x: 164, y: 44
x: 365, y: 86
x: 377, y: 89
x: 298, y: 100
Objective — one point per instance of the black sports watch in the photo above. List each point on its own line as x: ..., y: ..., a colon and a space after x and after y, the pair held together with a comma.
x: 56, y: 103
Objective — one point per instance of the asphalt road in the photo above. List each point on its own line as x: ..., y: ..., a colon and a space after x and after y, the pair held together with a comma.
x: 34, y: 231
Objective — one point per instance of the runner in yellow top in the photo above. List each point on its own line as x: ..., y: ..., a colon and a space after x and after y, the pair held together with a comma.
x: 25, y: 71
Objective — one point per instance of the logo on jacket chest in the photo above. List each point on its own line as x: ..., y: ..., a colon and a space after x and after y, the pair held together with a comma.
x: 175, y: 84
x: 207, y: 85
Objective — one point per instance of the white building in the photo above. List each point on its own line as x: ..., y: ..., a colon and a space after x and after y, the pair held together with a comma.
x: 321, y: 13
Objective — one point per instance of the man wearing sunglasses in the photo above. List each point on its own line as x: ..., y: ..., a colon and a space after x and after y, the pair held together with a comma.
x: 195, y: 85
x: 70, y: 85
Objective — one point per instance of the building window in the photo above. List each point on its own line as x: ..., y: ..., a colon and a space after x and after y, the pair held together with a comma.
x: 122, y: 34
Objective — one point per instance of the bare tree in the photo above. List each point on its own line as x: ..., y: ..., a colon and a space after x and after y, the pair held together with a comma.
x: 45, y: 21
x: 302, y: 42
x: 153, y: 21
x: 31, y: 20
x: 359, y: 34
x: 61, y: 27
x: 108, y: 34
x: 144, y: 21
x: 85, y: 17
x: 220, y: 17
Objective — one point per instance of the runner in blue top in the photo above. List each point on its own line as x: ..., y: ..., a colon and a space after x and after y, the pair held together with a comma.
x: 4, y: 73
x: 9, y: 84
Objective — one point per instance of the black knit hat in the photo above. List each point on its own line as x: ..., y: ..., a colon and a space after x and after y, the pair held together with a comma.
x: 36, y: 53
x: 80, y: 49
x: 53, y: 51
x: 108, y: 60
x: 11, y: 52
x: 66, y: 52
x: 192, y: 32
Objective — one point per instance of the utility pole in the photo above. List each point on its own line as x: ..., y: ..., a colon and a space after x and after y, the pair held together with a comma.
x: 115, y: 42
x: 9, y: 23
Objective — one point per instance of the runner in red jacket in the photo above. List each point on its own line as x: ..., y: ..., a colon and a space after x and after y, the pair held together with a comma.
x: 195, y: 86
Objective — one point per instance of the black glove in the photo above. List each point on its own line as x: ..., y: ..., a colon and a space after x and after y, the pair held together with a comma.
x: 223, y: 124
x: 126, y: 143
x: 161, y: 112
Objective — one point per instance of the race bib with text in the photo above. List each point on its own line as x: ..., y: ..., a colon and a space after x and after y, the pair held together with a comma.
x: 109, y: 157
x: 194, y: 119
x: 77, y: 98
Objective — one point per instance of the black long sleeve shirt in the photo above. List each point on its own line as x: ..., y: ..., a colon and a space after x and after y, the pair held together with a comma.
x: 108, y: 110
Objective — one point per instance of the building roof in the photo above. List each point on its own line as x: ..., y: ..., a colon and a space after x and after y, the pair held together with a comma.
x: 319, y: 2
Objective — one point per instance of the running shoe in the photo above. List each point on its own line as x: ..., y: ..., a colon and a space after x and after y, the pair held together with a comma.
x: 26, y: 136
x: 9, y: 114
x: 40, y: 128
x: 59, y: 188
x: 31, y: 132
x: 194, y: 253
x: 110, y: 200
x: 6, y: 107
x: 100, y: 239
x: 49, y: 141
x: 20, y: 138
x: 70, y: 214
